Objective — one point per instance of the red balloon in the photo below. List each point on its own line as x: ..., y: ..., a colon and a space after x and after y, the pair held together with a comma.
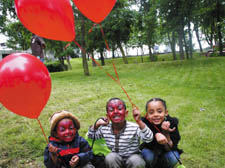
x: 25, y: 84
x: 52, y: 19
x: 95, y: 10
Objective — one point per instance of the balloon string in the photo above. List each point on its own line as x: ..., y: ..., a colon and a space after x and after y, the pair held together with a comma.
x: 116, y: 80
x: 103, y: 35
x: 42, y: 130
x: 90, y: 30
x: 167, y: 143
x: 67, y: 46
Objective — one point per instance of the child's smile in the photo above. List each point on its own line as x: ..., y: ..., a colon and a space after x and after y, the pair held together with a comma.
x: 116, y: 111
x: 156, y: 112
x: 66, y: 130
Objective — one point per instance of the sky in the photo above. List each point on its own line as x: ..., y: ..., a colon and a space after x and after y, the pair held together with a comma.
x: 3, y: 38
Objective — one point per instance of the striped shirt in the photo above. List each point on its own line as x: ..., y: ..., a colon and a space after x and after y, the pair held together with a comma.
x: 126, y: 142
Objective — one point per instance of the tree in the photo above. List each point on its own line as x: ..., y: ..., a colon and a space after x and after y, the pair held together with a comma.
x: 172, y: 12
x: 212, y: 21
x: 117, y: 26
x: 18, y: 36
x: 6, y: 10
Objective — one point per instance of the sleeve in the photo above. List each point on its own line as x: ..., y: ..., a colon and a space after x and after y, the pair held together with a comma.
x: 86, y: 153
x: 175, y: 135
x: 145, y: 135
x: 47, y: 159
x: 97, y: 133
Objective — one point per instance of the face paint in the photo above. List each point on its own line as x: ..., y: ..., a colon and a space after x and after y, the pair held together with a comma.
x: 156, y: 112
x: 116, y: 111
x: 66, y: 130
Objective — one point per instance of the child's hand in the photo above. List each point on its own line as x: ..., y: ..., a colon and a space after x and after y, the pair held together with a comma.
x: 102, y: 121
x: 166, y: 126
x: 160, y: 138
x: 52, y: 148
x: 74, y: 161
x: 136, y: 114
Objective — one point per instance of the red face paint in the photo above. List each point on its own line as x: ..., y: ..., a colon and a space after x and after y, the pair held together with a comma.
x: 116, y: 111
x: 66, y: 130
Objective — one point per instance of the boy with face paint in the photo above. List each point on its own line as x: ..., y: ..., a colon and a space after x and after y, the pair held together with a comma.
x: 66, y: 149
x: 122, y: 137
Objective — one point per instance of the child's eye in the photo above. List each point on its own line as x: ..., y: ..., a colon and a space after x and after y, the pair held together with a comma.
x: 61, y: 129
x: 120, y: 107
x: 159, y: 111
x: 110, y: 109
x: 150, y: 112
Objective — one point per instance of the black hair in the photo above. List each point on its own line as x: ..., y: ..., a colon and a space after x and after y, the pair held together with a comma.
x: 115, y: 98
x: 155, y: 99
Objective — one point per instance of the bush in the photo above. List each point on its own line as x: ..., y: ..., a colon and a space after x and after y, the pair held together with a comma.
x: 56, y: 67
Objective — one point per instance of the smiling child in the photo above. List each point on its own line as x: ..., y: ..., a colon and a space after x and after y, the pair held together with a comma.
x: 122, y: 137
x: 66, y: 148
x: 162, y: 150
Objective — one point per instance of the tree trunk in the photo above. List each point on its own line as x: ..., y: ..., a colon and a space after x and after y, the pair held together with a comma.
x: 61, y: 60
x: 218, y: 13
x: 198, y: 39
x: 137, y: 51
x: 84, y: 59
x: 142, y: 54
x: 208, y: 38
x: 185, y: 46
x: 102, y: 58
x: 93, y: 62
x: 68, y: 62
x: 113, y: 52
x: 190, y: 39
x: 173, y: 44
x: 180, y: 38
x: 123, y: 54
x: 150, y: 53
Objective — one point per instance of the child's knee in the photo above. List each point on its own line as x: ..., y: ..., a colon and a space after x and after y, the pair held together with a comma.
x: 171, y: 158
x: 135, y: 161
x: 148, y: 155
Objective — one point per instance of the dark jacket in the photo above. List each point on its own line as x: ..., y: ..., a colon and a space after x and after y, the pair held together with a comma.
x: 175, y: 136
x: 79, y: 146
x: 37, y: 45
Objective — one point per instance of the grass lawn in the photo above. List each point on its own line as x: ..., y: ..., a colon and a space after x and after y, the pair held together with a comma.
x: 194, y: 91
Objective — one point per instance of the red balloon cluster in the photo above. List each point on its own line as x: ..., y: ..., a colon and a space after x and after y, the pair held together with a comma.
x: 25, y: 84
x: 54, y: 19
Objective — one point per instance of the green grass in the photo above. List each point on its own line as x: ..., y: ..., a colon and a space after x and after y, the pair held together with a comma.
x: 194, y: 91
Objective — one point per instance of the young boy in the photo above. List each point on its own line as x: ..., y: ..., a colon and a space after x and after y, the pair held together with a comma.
x: 122, y: 137
x: 66, y: 148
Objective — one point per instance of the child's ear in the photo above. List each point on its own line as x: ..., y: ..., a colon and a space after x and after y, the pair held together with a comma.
x: 126, y: 113
x: 107, y: 115
x: 166, y: 112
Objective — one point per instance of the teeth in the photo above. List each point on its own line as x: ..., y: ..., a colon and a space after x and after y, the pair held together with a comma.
x: 116, y: 117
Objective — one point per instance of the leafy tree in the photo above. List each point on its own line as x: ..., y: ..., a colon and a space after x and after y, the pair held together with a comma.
x: 172, y: 12
x: 18, y: 36
x: 212, y: 21
x: 7, y: 10
x: 117, y: 26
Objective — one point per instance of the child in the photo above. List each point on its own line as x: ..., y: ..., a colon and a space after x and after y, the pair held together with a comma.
x: 66, y: 148
x: 162, y: 150
x: 122, y: 137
